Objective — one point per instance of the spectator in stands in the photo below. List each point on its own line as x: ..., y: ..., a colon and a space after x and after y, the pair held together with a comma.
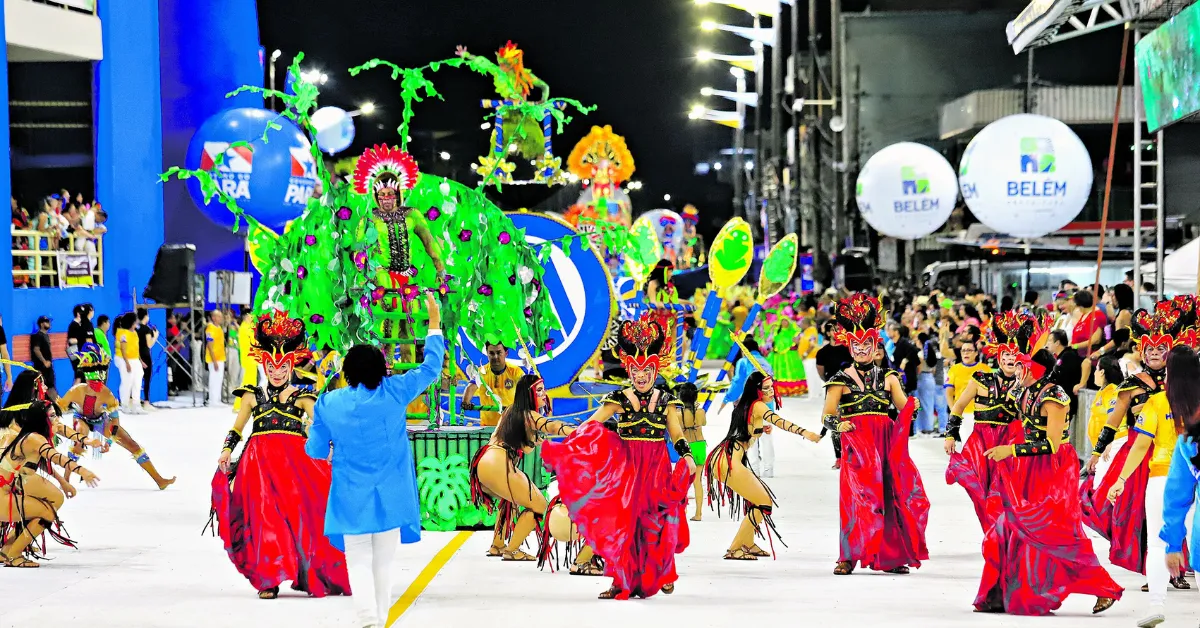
x: 102, y: 325
x: 147, y: 337
x: 5, y: 356
x: 214, y: 357
x: 43, y: 360
x: 79, y: 333
x: 130, y: 363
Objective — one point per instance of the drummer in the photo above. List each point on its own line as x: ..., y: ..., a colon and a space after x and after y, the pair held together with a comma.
x: 499, y: 376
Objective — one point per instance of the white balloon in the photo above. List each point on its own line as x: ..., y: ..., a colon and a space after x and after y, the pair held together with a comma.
x: 335, y: 129
x: 1026, y: 175
x: 675, y: 239
x: 906, y: 191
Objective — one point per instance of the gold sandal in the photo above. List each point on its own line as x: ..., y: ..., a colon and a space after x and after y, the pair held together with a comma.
x: 755, y: 550
x: 1103, y: 604
x: 668, y: 589
x: 739, y: 554
x: 495, y: 551
x: 516, y: 556
x: 610, y: 594
x: 20, y: 562
x: 844, y: 568
x: 269, y: 594
x: 589, y: 568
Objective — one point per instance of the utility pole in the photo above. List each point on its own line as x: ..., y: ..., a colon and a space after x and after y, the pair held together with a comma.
x: 739, y: 149
x: 776, y: 163
x: 840, y: 158
x: 812, y: 138
x: 755, y: 209
x: 797, y: 140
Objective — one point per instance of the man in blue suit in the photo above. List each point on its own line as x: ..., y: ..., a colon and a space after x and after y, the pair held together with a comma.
x: 373, y: 499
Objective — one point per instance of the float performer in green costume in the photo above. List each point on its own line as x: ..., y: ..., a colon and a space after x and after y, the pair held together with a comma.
x: 386, y: 174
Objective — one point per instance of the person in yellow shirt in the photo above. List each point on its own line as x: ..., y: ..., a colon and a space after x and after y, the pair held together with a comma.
x: 245, y: 342
x: 1108, y: 377
x: 959, y: 375
x: 809, y: 343
x: 129, y: 364
x: 214, y: 356
x: 1158, y: 429
x: 500, y: 377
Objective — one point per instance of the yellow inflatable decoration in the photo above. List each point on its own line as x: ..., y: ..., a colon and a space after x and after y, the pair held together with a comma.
x: 731, y: 255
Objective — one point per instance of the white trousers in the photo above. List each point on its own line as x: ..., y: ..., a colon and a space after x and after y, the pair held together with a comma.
x: 369, y: 561
x: 1157, y: 575
x: 1105, y: 462
x: 216, y: 380
x: 131, y: 384
x: 762, y: 456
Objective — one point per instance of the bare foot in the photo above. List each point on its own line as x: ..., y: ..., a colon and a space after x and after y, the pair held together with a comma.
x: 162, y: 486
x: 696, y: 518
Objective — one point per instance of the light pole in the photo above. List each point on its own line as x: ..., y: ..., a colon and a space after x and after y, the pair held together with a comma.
x: 274, y: 57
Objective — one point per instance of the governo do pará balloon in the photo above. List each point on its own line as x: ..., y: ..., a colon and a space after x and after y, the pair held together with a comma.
x: 271, y: 180
x: 906, y: 191
x: 1026, y: 175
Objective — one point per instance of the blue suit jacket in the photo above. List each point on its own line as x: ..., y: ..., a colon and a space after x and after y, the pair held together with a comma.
x: 374, y: 485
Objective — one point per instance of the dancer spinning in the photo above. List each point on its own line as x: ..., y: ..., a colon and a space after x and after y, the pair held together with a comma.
x: 730, y: 478
x: 1123, y: 521
x: 1007, y: 337
x: 884, y: 509
x: 27, y: 499
x: 272, y: 518
x: 496, y: 474
x: 96, y: 410
x: 618, y: 485
x: 1036, y: 553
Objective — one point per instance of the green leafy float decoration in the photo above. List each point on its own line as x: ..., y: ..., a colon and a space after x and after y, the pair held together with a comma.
x: 444, y: 490
x: 323, y: 268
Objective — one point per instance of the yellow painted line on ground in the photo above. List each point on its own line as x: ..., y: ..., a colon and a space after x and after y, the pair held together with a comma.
x: 426, y: 576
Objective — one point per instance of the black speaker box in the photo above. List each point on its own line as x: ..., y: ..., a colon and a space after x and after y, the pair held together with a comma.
x: 173, y: 268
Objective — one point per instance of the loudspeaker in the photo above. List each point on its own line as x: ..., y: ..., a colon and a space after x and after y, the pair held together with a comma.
x: 173, y: 268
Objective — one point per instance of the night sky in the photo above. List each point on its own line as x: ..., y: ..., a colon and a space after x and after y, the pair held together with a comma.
x: 634, y: 59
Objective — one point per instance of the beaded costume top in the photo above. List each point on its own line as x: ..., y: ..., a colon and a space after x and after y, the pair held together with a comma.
x: 273, y: 416
x: 1027, y: 403
x: 991, y: 398
x: 871, y: 398
x: 1142, y: 385
x: 648, y: 419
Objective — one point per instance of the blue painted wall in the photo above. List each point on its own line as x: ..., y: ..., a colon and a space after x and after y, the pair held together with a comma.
x: 208, y: 49
x: 128, y: 159
x: 6, y: 291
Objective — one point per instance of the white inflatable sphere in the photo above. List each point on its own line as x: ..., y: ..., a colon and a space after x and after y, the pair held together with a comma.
x: 1026, y: 175
x: 335, y: 129
x: 906, y: 191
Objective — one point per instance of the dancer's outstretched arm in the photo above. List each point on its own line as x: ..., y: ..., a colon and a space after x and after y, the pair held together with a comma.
x: 551, y: 427
x: 769, y: 416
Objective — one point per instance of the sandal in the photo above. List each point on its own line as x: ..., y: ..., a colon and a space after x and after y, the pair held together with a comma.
x: 610, y: 594
x: 739, y: 554
x: 495, y: 551
x: 269, y: 594
x: 696, y: 518
x: 1180, y: 583
x: 900, y: 571
x: 843, y: 568
x: 589, y: 568
x: 1102, y: 604
x: 1146, y: 588
x: 19, y: 562
x: 516, y: 556
x: 668, y: 589
x: 757, y: 551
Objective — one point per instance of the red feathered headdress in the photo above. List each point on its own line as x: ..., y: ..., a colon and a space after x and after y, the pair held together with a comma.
x: 1020, y: 334
x: 1164, y: 326
x: 279, y: 340
x: 641, y: 344
x: 859, y: 318
x: 384, y: 166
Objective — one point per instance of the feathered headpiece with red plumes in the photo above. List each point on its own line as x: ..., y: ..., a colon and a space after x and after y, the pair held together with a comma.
x: 512, y: 59
x: 1020, y: 334
x: 1158, y: 328
x: 691, y: 215
x: 279, y: 340
x: 383, y: 166
x: 859, y: 318
x: 641, y: 344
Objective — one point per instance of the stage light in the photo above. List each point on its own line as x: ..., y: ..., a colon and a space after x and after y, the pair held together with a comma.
x: 444, y: 155
x: 697, y: 112
x: 717, y: 166
x: 367, y: 108
x: 275, y: 55
x: 706, y: 91
x: 667, y: 197
x: 708, y: 26
x: 704, y: 55
x: 737, y: 72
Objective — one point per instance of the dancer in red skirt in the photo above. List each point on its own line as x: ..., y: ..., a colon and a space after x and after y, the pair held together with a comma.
x: 616, y: 480
x: 1037, y: 553
x: 1006, y: 338
x: 270, y: 504
x: 1123, y: 521
x: 884, y: 509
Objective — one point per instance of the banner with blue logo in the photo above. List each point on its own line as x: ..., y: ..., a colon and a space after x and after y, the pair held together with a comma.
x: 581, y: 292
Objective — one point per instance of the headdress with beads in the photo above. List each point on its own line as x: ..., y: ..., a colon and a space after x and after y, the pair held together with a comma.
x: 280, y: 340
x: 641, y: 344
x: 1018, y: 333
x: 93, y: 363
x: 691, y: 215
x: 859, y: 318
x: 1164, y: 327
x: 385, y: 167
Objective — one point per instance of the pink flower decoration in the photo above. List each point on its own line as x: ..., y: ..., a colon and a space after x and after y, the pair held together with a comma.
x: 301, y: 272
x: 317, y: 319
x: 505, y: 238
x: 433, y: 213
x: 365, y: 302
x: 310, y: 239
x: 549, y: 344
x: 528, y: 312
x: 485, y: 290
x: 377, y: 294
x: 464, y: 235
x: 410, y: 292
x: 343, y: 213
x: 360, y: 260
x: 512, y: 279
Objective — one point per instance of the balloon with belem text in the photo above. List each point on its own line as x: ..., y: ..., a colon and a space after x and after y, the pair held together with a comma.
x: 271, y: 180
x: 335, y: 129
x: 906, y: 191
x: 1026, y: 175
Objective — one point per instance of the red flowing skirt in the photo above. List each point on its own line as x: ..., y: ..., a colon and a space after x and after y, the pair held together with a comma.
x: 627, y: 502
x: 1123, y: 523
x: 1037, y: 553
x: 272, y: 518
x: 976, y: 474
x: 884, y: 508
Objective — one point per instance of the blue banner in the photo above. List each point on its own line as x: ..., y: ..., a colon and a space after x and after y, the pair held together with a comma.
x: 807, y: 285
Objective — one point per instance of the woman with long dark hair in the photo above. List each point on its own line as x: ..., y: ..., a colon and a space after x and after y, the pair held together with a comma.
x: 27, y: 499
x: 618, y: 485
x: 497, y: 481
x: 732, y: 481
x: 1179, y: 492
x: 1036, y: 553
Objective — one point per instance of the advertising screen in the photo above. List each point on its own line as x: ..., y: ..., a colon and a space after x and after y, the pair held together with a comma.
x: 1168, y: 62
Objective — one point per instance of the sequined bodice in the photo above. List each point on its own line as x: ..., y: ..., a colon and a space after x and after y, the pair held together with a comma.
x: 272, y: 416
x: 1141, y: 390
x: 869, y: 398
x: 1028, y: 402
x: 647, y: 420
x: 394, y: 225
x: 991, y: 398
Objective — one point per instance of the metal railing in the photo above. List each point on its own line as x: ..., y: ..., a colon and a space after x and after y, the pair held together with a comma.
x: 39, y: 264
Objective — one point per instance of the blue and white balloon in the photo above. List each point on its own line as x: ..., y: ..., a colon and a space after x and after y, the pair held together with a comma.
x: 335, y: 129
x: 272, y: 179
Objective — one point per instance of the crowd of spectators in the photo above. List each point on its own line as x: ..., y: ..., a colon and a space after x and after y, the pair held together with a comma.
x: 62, y: 222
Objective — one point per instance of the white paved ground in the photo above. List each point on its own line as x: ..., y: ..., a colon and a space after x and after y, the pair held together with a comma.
x: 143, y: 562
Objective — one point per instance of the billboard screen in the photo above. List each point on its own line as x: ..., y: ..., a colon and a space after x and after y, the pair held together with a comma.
x: 1168, y: 64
